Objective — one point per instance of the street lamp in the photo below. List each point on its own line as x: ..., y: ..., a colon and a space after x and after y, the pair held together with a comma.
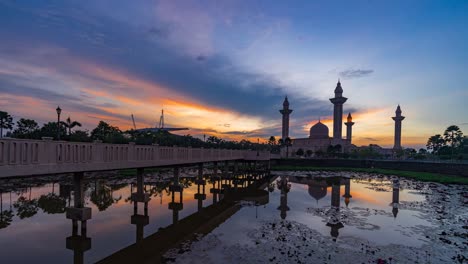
x: 59, y: 111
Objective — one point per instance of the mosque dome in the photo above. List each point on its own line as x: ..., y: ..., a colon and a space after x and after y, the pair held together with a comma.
x: 318, y: 190
x: 319, y: 131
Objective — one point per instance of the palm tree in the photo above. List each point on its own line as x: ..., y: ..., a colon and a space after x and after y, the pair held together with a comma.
x: 454, y: 136
x: 70, y: 124
x: 6, y: 121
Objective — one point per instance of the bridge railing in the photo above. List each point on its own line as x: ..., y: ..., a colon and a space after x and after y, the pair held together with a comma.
x: 20, y: 157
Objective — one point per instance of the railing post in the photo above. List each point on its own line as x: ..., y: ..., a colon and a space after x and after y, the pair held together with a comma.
x: 131, y: 151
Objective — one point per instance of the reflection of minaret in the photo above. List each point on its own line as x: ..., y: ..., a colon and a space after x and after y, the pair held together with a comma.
x: 398, y: 118
x: 347, y: 194
x: 200, y: 196
x: 349, y: 127
x: 334, y: 222
x: 284, y: 186
x: 140, y: 220
x: 395, y: 197
x: 285, y: 112
x: 338, y: 102
x: 79, y: 243
x: 173, y: 205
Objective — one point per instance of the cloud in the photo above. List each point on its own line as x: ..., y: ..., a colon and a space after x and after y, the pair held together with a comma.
x: 139, y: 70
x: 355, y: 73
x: 370, y: 139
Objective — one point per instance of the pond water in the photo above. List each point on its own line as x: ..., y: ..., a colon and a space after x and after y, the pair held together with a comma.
x: 307, y: 217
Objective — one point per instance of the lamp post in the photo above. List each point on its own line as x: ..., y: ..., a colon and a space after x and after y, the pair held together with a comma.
x: 59, y: 111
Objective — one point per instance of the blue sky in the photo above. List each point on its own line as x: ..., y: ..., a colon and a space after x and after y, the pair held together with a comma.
x: 224, y: 67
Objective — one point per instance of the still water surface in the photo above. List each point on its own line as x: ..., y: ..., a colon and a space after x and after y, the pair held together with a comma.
x: 34, y: 226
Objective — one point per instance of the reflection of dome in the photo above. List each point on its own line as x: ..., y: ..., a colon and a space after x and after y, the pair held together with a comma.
x: 319, y: 131
x: 318, y: 190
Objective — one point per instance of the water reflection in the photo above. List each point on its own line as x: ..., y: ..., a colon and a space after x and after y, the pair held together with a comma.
x: 6, y: 216
x: 78, y: 242
x: 140, y: 196
x: 284, y: 186
x: 334, y: 220
x: 200, y: 196
x: 395, y: 197
x: 176, y: 205
x: 157, y: 202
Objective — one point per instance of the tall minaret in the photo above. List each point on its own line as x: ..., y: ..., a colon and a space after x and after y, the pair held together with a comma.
x: 349, y: 127
x: 285, y: 112
x: 338, y: 102
x: 398, y: 118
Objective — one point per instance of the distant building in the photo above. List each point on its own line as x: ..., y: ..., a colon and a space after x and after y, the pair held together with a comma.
x: 319, y: 139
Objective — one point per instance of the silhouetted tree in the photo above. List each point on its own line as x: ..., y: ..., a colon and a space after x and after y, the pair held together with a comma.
x: 6, y: 122
x: 300, y: 152
x: 50, y: 130
x: 454, y: 137
x: 71, y: 124
x: 435, y: 143
x: 26, y: 128
x: 108, y: 133
x: 80, y: 136
x: 272, y: 141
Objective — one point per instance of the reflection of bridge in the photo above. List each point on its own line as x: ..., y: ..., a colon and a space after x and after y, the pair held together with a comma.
x: 38, y: 157
x: 151, y: 248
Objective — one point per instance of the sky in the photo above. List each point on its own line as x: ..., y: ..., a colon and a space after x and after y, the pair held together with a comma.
x: 224, y: 67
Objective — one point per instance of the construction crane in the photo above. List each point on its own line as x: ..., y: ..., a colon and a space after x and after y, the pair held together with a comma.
x: 134, y: 125
x: 160, y: 126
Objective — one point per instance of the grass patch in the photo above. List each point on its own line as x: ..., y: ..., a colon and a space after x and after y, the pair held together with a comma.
x: 421, y: 176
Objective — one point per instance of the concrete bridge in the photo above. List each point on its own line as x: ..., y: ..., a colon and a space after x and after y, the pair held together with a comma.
x: 24, y: 157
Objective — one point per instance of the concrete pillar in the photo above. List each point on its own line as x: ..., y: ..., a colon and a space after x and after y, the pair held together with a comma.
x: 200, y: 171
x: 78, y: 189
x: 176, y: 176
x: 140, y: 176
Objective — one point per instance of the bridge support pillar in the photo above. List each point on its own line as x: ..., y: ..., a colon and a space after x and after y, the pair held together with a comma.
x: 176, y: 175
x: 200, y: 171
x: 79, y: 243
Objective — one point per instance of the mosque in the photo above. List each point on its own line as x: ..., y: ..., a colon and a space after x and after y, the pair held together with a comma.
x: 319, y: 139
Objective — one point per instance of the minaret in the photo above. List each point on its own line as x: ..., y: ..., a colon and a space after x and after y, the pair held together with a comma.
x: 347, y: 194
x: 285, y: 112
x: 338, y: 102
x: 349, y: 127
x: 398, y: 118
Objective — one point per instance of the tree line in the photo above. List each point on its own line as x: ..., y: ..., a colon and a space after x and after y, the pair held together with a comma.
x: 30, y: 129
x: 450, y: 145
